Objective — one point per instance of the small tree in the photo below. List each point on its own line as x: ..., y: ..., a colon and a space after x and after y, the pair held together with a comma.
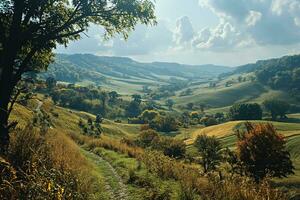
x: 276, y: 108
x: 262, y: 151
x: 246, y: 111
x: 209, y: 149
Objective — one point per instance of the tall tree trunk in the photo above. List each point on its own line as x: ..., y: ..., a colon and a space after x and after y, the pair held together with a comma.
x: 7, y: 85
x: 4, y: 132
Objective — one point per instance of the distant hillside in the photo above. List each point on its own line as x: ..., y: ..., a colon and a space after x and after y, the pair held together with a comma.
x: 283, y: 63
x: 279, y: 74
x: 100, y: 69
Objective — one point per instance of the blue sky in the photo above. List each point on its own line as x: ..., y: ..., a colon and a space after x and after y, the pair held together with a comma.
x: 224, y: 32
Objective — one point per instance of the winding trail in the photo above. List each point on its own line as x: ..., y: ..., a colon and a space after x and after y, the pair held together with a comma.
x: 114, y: 185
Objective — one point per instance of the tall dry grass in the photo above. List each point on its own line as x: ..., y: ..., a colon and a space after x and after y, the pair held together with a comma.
x: 44, y: 166
x: 194, y: 184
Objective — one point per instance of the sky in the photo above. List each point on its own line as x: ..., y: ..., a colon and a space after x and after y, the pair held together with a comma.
x: 221, y: 32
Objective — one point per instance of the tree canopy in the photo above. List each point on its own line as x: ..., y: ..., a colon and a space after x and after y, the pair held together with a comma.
x: 31, y: 29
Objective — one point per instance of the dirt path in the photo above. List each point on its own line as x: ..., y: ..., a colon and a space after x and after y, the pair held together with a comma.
x: 113, y: 182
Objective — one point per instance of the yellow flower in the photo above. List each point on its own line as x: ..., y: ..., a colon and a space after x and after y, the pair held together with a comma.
x: 49, y: 186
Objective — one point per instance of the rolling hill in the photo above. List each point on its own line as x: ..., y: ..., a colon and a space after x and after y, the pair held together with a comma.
x: 124, y: 74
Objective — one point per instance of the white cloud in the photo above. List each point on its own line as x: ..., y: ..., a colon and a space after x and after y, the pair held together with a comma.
x: 220, y: 38
x: 253, y: 18
x: 184, y: 32
x: 262, y: 22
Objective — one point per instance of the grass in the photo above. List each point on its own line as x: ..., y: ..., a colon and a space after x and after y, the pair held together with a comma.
x: 67, y: 123
x: 129, y: 168
x: 223, y: 96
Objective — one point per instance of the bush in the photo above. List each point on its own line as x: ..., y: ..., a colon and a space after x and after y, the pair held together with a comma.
x: 147, y: 138
x: 173, y: 148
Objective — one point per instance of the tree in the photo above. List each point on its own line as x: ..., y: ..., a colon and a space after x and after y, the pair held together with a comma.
x: 276, y: 108
x: 30, y: 30
x: 263, y: 152
x: 50, y: 82
x: 170, y: 103
x: 245, y: 111
x: 209, y: 149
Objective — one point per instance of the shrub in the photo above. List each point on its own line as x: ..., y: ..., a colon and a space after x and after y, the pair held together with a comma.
x: 263, y: 152
x: 173, y: 148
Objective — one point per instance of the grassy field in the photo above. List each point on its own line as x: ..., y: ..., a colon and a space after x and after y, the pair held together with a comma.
x: 66, y: 121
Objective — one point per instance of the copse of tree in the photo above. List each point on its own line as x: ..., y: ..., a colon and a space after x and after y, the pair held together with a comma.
x: 148, y: 115
x: 30, y: 30
x: 276, y: 108
x: 169, y: 146
x: 209, y: 149
x: 263, y: 152
x: 208, y: 121
x: 166, y: 123
x: 246, y: 111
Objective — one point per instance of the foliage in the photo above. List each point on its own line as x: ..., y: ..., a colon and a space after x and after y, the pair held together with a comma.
x: 148, y: 115
x: 44, y: 167
x: 133, y: 109
x: 208, y: 121
x: 164, y: 123
x: 245, y: 111
x: 89, y: 99
x: 148, y: 138
x: 262, y: 151
x: 209, y: 149
x: 276, y: 108
x: 30, y: 30
x: 170, y: 147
